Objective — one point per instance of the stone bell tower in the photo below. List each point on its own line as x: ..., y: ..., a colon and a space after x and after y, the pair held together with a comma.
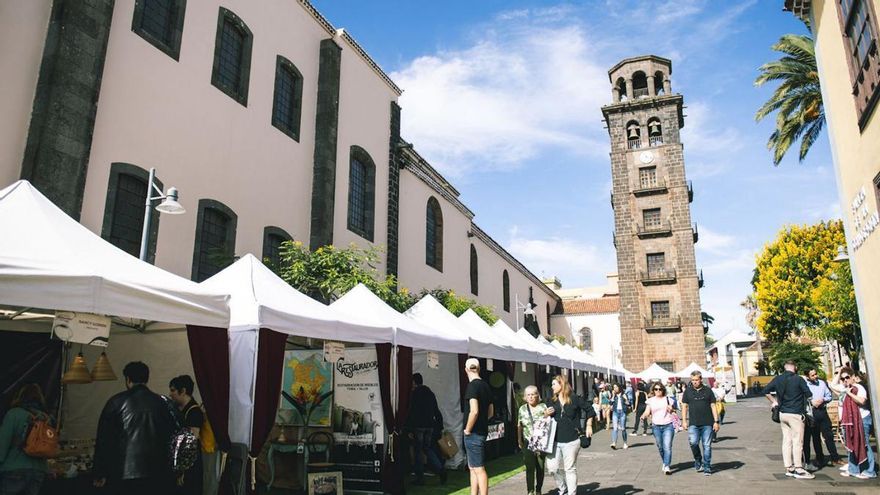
x: 660, y: 317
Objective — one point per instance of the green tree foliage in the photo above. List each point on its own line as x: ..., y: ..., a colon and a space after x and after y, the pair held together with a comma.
x: 838, y: 316
x: 797, y: 100
x: 789, y: 272
x: 708, y: 340
x: 802, y: 354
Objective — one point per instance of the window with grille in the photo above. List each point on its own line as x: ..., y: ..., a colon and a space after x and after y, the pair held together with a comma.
x: 660, y: 310
x: 273, y: 237
x: 232, y: 56
x: 647, y: 177
x: 475, y: 281
x: 859, y: 25
x: 215, y: 239
x: 656, y: 264
x: 127, y: 224
x: 505, y: 291
x: 666, y: 365
x: 587, y: 338
x: 361, y: 193
x: 434, y: 234
x: 160, y: 22
x: 287, y: 103
x: 651, y: 218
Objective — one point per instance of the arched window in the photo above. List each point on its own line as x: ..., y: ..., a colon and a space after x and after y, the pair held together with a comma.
x: 215, y: 239
x: 475, y: 281
x: 655, y: 132
x: 361, y: 193
x: 640, y: 85
x: 620, y: 85
x: 505, y: 291
x: 232, y: 56
x: 586, y: 335
x: 160, y: 22
x: 633, y: 135
x: 434, y: 235
x: 547, y: 313
x: 658, y: 83
x: 287, y: 104
x: 273, y: 237
x: 124, y: 210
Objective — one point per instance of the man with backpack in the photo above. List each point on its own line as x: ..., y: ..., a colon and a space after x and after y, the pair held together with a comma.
x: 191, y: 417
x: 23, y: 466
x: 134, y: 430
x: 791, y: 393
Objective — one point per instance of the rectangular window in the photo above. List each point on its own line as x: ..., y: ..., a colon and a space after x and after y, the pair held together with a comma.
x: 656, y: 264
x: 128, y: 214
x: 160, y: 22
x: 859, y: 25
x: 213, y: 249
x: 232, y: 56
x: 651, y: 218
x: 647, y: 177
x: 666, y: 365
x: 660, y: 310
x: 356, y: 196
x: 231, y: 45
x: 287, y: 103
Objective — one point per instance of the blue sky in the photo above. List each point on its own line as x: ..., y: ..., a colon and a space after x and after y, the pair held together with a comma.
x: 504, y: 97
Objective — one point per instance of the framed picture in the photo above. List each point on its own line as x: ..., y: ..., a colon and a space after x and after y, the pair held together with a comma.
x: 325, y: 483
x: 306, y: 390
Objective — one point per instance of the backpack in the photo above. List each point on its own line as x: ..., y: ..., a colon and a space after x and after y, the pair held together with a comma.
x: 183, y: 446
x: 41, y: 439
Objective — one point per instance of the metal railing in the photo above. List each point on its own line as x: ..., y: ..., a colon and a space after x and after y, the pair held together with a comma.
x: 696, y: 234
x: 655, y: 140
x: 690, y: 192
x: 640, y: 92
x: 658, y: 275
x: 661, y: 228
x: 633, y: 143
x: 700, y: 282
x: 658, y: 186
x: 662, y: 322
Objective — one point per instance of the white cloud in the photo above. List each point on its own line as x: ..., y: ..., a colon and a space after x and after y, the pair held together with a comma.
x: 831, y: 211
x: 709, y: 143
x: 714, y: 242
x: 576, y: 263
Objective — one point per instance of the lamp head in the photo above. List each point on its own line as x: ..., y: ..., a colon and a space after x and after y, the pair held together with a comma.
x: 841, y: 255
x: 170, y: 205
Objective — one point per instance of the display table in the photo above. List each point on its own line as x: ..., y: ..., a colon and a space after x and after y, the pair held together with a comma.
x: 287, y: 448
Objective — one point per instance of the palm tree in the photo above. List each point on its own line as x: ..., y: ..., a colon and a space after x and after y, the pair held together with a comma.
x: 798, y: 98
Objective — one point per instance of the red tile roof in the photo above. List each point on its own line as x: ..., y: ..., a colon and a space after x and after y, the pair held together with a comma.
x: 608, y: 304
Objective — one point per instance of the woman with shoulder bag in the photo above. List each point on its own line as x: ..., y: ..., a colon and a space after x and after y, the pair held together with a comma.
x: 568, y: 410
x: 662, y: 414
x: 641, y: 403
x: 21, y: 474
x: 619, y: 409
x: 530, y: 412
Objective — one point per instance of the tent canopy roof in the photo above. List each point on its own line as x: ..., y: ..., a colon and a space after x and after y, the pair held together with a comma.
x: 654, y: 372
x: 686, y: 372
x: 517, y: 351
x: 429, y: 311
x: 361, y: 302
x: 260, y: 299
x: 49, y: 260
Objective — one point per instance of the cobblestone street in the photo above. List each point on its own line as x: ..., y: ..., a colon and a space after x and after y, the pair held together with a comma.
x: 747, y: 457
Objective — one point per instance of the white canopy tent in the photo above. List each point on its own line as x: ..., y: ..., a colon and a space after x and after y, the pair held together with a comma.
x: 517, y: 351
x: 360, y: 302
x: 429, y: 311
x: 259, y: 299
x: 49, y: 260
x: 545, y: 356
x: 686, y: 372
x: 564, y: 359
x: 654, y: 372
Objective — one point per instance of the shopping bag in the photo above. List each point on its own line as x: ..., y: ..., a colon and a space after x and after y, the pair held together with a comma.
x: 447, y: 445
x: 543, y: 435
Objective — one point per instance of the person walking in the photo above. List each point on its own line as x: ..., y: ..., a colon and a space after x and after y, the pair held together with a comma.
x: 180, y: 390
x: 131, y: 447
x: 528, y: 413
x: 619, y: 409
x: 21, y: 474
x: 720, y: 393
x: 569, y: 411
x: 670, y: 392
x: 820, y: 426
x: 421, y: 422
x: 791, y: 393
x: 640, y: 405
x: 659, y: 408
x: 477, y: 411
x: 605, y: 402
x: 700, y: 418
x: 855, y: 417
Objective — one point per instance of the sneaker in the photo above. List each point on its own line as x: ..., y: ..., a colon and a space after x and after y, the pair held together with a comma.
x: 810, y: 467
x: 644, y: 434
x: 844, y: 467
x: 790, y: 473
x: 802, y: 474
x: 666, y: 470
x: 625, y: 446
x: 864, y: 476
x: 613, y: 446
x: 846, y: 474
x: 700, y: 469
x: 707, y: 472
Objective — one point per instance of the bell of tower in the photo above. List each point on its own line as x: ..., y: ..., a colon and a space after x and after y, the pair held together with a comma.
x: 660, y: 315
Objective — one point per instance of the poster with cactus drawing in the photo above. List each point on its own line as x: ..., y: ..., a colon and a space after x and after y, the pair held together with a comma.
x: 306, y: 389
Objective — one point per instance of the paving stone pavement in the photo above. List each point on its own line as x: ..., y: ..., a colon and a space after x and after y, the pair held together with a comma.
x: 746, y: 459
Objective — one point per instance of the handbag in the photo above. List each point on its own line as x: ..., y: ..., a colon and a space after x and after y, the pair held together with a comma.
x: 543, y: 435
x: 774, y: 411
x: 676, y: 420
x: 447, y: 444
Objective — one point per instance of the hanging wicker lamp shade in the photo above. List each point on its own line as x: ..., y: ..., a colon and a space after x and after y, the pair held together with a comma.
x: 78, y: 372
x: 103, y: 371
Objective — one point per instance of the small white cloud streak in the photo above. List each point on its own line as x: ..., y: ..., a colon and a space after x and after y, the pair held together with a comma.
x: 575, y: 262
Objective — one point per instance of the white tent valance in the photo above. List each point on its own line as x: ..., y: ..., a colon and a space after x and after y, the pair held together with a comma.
x: 49, y: 260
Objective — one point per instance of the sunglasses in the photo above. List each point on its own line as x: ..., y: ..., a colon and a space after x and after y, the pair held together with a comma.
x: 658, y: 390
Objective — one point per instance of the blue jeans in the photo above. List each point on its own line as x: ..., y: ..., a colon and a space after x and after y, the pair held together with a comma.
x: 663, y: 436
x: 618, y: 420
x: 21, y: 482
x: 701, y: 435
x: 423, y: 443
x: 475, y: 449
x: 870, y: 469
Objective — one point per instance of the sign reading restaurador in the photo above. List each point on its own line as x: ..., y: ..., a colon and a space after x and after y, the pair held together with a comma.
x: 864, y: 222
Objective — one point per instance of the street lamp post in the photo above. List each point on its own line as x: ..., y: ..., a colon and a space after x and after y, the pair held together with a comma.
x: 168, y: 205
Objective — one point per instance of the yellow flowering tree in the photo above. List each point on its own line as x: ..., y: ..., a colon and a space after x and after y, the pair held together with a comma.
x: 792, y: 274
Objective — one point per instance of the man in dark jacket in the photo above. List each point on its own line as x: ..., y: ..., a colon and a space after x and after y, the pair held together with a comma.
x: 131, y: 448
x: 425, y: 425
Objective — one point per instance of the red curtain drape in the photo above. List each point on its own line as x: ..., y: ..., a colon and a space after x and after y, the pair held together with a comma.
x: 392, y: 473
x: 209, y: 350
x: 267, y: 390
